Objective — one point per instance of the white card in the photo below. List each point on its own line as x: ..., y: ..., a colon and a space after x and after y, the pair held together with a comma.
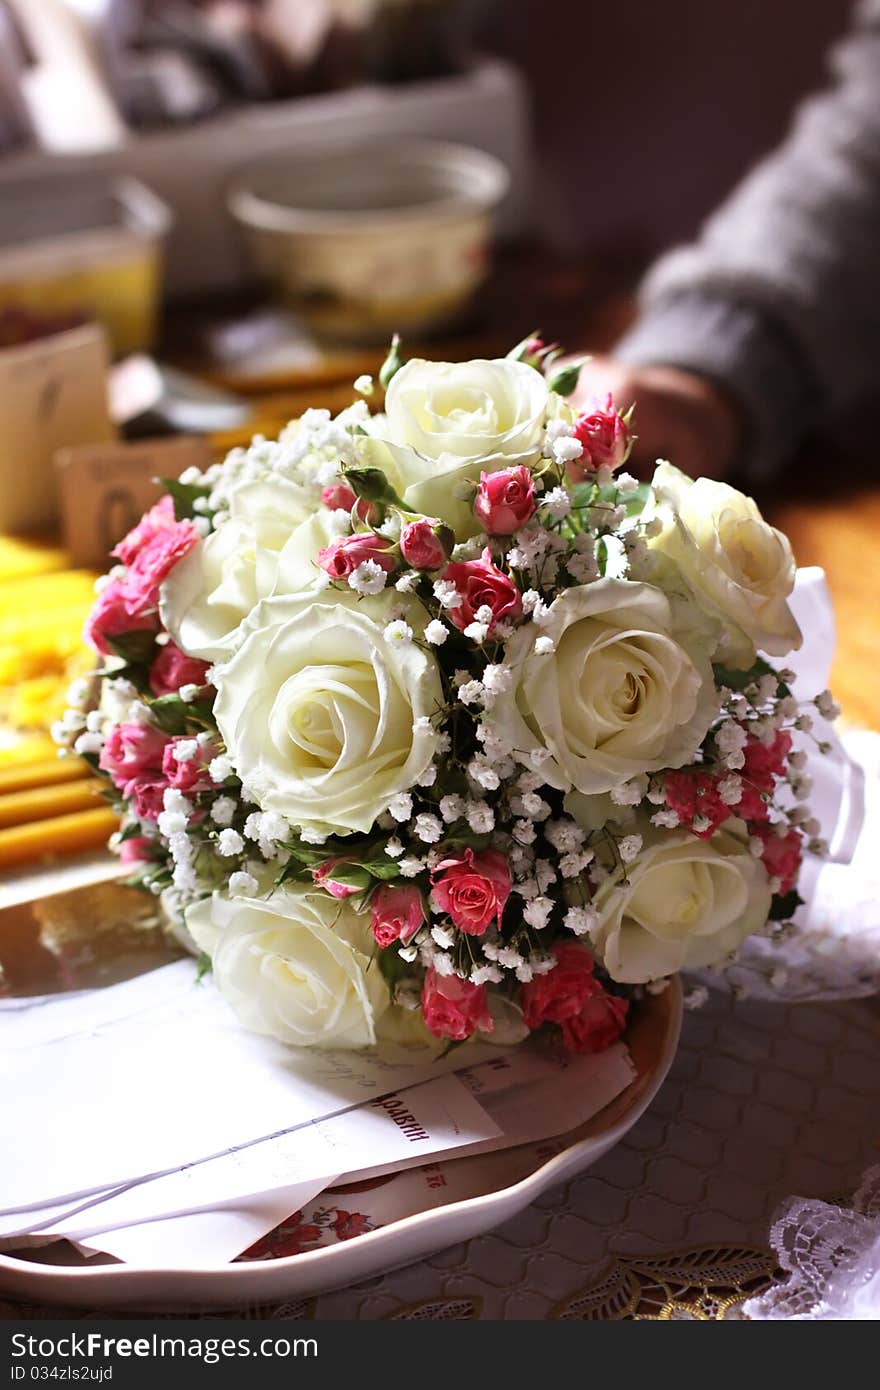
x: 436, y: 1117
x: 148, y: 1076
x: 203, y: 1237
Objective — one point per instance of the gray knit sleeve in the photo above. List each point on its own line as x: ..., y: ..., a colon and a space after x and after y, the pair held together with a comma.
x: 779, y: 298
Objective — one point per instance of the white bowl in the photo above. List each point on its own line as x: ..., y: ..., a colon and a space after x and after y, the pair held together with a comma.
x: 374, y: 241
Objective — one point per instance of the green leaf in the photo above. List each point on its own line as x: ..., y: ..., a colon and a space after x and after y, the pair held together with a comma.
x: 391, y: 965
x: 785, y: 905
x: 175, y: 716
x: 523, y: 350
x: 392, y: 364
x: 350, y: 875
x: 738, y: 680
x: 565, y: 379
x: 584, y: 495
x: 183, y: 495
x: 204, y: 966
x: 135, y: 648
x: 373, y: 485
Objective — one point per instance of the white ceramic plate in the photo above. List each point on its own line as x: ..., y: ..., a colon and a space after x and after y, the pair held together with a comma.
x: 479, y: 1192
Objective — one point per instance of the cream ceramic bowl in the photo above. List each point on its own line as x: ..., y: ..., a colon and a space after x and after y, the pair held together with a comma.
x: 370, y: 242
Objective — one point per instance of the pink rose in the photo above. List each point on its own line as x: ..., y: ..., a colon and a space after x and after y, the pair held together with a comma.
x: 323, y: 877
x: 137, y: 850
x: 483, y: 585
x: 111, y: 618
x: 147, y: 797
x: 421, y: 545
x: 154, y: 562
x: 172, y: 668
x: 343, y: 556
x: 454, y: 1008
x: 340, y: 497
x: 600, y: 1023
x: 605, y: 436
x: 570, y: 995
x: 781, y: 855
x: 505, y: 500
x: 472, y: 888
x: 397, y: 913
x: 156, y: 519
x: 190, y: 774
x: 132, y: 751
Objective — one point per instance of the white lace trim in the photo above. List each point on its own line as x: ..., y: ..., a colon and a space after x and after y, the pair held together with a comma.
x: 831, y: 1255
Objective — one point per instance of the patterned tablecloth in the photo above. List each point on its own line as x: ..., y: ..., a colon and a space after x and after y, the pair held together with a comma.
x: 763, y: 1101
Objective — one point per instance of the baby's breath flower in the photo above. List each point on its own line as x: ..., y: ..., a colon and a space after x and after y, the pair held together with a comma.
x: 219, y: 769
x: 401, y: 806
x: 451, y: 808
x: 486, y: 974
x: 629, y: 848
x: 446, y: 594
x: 480, y: 817
x: 367, y: 578
x: 628, y: 794
x: 229, y: 842
x: 566, y: 449
x: 436, y: 632
x: 427, y: 828
x: 581, y: 920
x: 557, y: 502
x: 243, y: 885
x: 410, y: 866
x: 223, y: 810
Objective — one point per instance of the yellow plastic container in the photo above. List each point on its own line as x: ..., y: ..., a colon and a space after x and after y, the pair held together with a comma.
x: 90, y: 245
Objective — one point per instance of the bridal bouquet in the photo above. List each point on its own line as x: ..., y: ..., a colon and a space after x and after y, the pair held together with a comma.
x: 435, y: 721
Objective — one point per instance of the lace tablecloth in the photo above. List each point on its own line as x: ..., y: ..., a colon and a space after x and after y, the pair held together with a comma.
x: 764, y: 1100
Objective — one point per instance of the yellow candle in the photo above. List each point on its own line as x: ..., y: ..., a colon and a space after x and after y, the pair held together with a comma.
x: 35, y: 748
x: 42, y: 773
x: 39, y: 803
x: 80, y: 830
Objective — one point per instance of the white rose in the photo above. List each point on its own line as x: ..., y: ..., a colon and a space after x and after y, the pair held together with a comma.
x: 446, y: 422
x: 686, y: 903
x: 618, y: 696
x: 318, y: 707
x: 739, y: 568
x: 213, y: 589
x: 293, y: 965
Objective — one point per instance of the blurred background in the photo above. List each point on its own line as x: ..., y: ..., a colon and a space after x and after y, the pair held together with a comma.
x: 215, y: 212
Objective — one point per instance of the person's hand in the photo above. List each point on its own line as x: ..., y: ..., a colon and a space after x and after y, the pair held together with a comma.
x: 678, y: 416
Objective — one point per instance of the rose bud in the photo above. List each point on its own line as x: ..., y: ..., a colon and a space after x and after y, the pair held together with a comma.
x: 344, y: 555
x: 454, y: 1008
x: 397, y: 913
x: 322, y: 875
x: 482, y: 584
x: 339, y: 497
x: 425, y: 543
x: 570, y: 995
x: 505, y: 500
x: 605, y: 436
